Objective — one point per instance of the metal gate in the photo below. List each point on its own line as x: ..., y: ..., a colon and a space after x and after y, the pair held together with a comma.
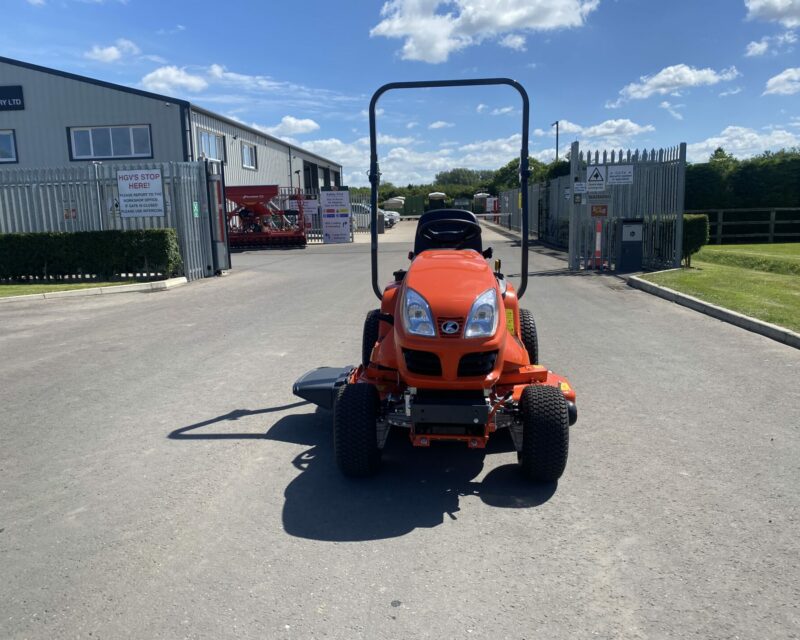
x: 654, y: 195
x: 86, y: 198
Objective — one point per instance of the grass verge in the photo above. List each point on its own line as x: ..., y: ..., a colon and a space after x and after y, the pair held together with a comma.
x: 7, y: 290
x: 771, y: 297
x: 773, y: 258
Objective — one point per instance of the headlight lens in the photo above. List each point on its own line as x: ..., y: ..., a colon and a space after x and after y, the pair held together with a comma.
x: 417, y: 315
x: 482, y: 319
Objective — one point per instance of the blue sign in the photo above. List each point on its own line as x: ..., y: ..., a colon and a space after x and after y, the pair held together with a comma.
x: 11, y: 99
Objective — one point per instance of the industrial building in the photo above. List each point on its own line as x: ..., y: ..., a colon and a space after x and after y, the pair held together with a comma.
x: 50, y: 118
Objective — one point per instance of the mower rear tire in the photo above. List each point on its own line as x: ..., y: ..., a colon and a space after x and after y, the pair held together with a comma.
x: 370, y: 335
x: 355, y: 430
x: 528, y: 334
x: 545, y: 433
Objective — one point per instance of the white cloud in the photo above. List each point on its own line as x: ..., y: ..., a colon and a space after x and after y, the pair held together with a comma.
x: 113, y: 52
x: 672, y: 109
x: 513, y: 41
x: 539, y: 133
x: 503, y: 111
x: 290, y: 125
x: 730, y: 92
x: 787, y: 12
x: 440, y: 124
x: 170, y: 32
x: 411, y: 125
x: 742, y: 142
x: 777, y: 44
x: 481, y: 108
x: 671, y: 80
x: 431, y: 35
x: 757, y: 48
x: 172, y: 79
x: 36, y: 3
x: 786, y: 83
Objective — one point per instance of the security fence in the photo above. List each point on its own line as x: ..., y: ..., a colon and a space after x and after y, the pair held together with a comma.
x: 87, y: 198
x: 573, y: 213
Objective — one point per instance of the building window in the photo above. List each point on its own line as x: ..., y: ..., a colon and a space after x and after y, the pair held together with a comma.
x: 98, y: 143
x: 8, y: 146
x: 249, y: 160
x: 212, y: 146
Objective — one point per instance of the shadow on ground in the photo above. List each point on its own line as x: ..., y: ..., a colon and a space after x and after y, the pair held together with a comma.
x: 415, y: 488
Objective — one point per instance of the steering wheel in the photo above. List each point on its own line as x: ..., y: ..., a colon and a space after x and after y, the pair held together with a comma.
x: 466, y: 230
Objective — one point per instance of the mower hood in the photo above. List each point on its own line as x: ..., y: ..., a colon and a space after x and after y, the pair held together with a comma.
x: 450, y: 280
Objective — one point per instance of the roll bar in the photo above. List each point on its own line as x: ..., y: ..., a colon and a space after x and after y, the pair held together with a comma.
x: 375, y: 176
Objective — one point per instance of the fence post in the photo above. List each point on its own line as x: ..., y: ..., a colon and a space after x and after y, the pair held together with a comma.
x: 720, y: 216
x: 97, y: 194
x: 681, y: 187
x: 772, y: 226
x: 574, y: 217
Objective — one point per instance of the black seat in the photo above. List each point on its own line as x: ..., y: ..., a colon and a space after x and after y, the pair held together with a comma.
x: 443, y: 229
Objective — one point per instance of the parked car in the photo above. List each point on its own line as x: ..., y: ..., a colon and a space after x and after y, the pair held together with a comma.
x: 361, y: 216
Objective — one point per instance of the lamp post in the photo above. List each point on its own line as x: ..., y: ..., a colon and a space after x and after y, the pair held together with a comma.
x: 555, y: 124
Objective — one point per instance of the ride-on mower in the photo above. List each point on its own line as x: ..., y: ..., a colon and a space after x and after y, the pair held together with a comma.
x: 449, y: 356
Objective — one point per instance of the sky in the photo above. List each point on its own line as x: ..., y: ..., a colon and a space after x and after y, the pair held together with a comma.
x: 615, y: 73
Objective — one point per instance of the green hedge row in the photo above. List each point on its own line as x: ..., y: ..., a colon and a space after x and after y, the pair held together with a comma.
x: 695, y: 235
x: 105, y: 254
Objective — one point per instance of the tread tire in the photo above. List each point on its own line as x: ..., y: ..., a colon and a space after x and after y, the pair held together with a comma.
x: 530, y: 339
x: 545, y: 433
x: 355, y: 436
x: 370, y: 335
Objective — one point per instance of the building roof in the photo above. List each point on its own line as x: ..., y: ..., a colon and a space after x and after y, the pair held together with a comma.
x: 157, y: 96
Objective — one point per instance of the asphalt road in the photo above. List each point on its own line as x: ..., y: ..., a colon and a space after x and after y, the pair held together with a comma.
x: 159, y: 480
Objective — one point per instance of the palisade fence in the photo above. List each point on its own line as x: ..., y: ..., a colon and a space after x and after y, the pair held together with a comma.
x: 656, y: 197
x: 86, y: 198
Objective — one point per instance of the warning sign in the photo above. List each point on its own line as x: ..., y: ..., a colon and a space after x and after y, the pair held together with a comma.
x: 141, y: 193
x: 595, y: 178
x: 620, y: 174
x: 335, y: 209
x: 599, y: 210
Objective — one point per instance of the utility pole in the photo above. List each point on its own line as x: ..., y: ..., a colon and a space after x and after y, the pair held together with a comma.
x: 555, y: 124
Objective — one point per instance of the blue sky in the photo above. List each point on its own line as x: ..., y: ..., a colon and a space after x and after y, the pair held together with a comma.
x: 616, y: 73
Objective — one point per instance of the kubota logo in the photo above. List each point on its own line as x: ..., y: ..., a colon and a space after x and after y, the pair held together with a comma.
x: 450, y: 327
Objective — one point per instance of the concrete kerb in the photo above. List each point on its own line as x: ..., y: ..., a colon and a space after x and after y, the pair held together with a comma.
x: 779, y: 334
x: 159, y: 285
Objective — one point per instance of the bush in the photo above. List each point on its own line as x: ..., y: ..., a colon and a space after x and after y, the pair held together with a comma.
x: 104, y: 254
x: 695, y: 235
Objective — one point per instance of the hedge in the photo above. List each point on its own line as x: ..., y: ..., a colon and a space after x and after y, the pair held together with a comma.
x: 695, y: 235
x: 104, y: 254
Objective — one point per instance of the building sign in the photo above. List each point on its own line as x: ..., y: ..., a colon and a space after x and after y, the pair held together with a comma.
x: 595, y: 178
x: 579, y: 187
x: 599, y: 210
x: 334, y: 207
x: 620, y: 174
x: 11, y: 99
x: 141, y: 193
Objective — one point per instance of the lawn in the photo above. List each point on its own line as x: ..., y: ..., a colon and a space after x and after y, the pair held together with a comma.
x: 775, y: 258
x: 771, y: 295
x: 7, y: 290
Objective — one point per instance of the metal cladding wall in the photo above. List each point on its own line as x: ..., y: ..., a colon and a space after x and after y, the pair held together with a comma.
x: 272, y: 158
x: 272, y: 166
x: 54, y: 102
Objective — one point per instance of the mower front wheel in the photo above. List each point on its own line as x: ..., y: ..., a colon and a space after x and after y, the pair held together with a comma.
x: 529, y: 336
x: 355, y: 431
x: 370, y: 335
x: 545, y: 433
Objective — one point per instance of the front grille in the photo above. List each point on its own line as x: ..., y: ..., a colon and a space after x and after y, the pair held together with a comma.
x: 477, y: 364
x: 423, y: 363
x: 440, y: 322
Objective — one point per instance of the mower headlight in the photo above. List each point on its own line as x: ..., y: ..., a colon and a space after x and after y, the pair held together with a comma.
x: 417, y: 316
x: 482, y: 319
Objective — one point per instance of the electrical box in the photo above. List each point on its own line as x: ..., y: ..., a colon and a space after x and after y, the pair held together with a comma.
x: 629, y: 245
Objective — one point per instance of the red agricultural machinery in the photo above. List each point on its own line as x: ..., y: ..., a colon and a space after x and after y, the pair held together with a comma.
x: 265, y: 216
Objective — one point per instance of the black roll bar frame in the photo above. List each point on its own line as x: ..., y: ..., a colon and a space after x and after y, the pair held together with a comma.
x: 375, y: 176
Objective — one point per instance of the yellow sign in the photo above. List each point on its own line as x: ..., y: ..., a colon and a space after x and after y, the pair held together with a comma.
x: 510, y: 321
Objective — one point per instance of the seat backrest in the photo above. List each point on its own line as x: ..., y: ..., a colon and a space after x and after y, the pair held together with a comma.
x: 422, y: 244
